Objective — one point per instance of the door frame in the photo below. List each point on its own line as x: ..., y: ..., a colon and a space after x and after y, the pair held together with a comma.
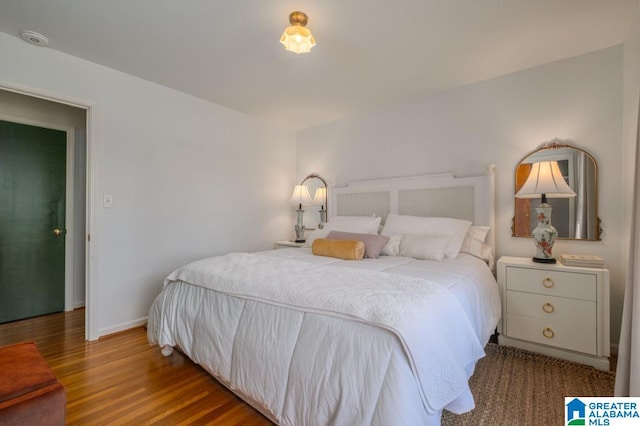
x: 92, y: 190
x: 69, y: 254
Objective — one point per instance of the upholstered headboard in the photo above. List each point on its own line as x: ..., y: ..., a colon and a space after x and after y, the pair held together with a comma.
x: 440, y: 195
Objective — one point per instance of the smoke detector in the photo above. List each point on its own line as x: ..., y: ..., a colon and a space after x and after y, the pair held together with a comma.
x: 34, y: 38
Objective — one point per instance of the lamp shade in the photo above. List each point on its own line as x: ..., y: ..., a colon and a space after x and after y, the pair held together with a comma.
x: 320, y: 198
x: 300, y: 195
x: 545, y: 179
x: 297, y: 38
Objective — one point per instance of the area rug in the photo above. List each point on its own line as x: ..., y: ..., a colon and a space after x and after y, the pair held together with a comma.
x: 516, y: 387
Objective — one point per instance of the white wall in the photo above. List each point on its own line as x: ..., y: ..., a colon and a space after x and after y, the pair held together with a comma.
x: 189, y: 178
x: 498, y: 121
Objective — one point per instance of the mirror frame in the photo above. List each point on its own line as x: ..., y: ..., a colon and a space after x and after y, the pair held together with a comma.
x: 556, y: 144
x: 326, y: 198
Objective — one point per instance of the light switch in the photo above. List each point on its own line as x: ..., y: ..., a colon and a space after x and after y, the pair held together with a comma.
x: 107, y: 201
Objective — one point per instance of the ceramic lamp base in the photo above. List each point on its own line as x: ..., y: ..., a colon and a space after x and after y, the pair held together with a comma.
x: 299, y: 228
x: 544, y: 235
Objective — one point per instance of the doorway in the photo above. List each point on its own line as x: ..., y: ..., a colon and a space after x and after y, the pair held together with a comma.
x: 32, y: 110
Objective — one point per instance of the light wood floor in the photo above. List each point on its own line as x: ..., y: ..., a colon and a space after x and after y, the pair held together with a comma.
x: 120, y: 379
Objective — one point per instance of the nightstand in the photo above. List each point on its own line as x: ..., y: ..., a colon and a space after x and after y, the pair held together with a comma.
x: 286, y: 244
x: 556, y: 310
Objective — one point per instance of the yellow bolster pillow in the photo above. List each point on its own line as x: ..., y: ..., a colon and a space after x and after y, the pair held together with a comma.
x: 342, y: 249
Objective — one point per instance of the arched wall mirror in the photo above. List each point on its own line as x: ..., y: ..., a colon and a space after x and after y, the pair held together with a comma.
x: 574, y: 218
x: 316, y: 214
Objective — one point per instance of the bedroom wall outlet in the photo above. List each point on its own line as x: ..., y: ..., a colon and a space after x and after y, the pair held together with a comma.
x: 107, y: 201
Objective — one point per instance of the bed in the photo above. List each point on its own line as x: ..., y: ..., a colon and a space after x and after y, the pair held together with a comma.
x: 317, y: 340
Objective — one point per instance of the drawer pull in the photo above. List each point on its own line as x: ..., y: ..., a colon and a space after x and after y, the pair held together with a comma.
x: 548, y: 282
x: 548, y: 308
x: 548, y: 333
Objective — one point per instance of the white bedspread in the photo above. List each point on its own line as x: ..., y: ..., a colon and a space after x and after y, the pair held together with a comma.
x: 467, y: 277
x: 416, y: 309
x: 434, y: 324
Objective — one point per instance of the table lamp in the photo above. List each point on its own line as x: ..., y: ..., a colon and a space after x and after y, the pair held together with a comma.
x: 300, y: 196
x: 545, y: 181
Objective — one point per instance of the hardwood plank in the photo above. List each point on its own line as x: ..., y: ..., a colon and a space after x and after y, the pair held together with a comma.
x: 120, y: 379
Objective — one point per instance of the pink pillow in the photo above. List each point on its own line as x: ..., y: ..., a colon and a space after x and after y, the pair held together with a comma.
x: 373, y: 243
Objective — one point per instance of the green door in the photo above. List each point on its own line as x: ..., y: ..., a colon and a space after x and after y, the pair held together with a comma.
x: 32, y: 214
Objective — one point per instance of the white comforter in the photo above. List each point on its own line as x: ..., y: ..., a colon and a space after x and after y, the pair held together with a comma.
x: 308, y: 341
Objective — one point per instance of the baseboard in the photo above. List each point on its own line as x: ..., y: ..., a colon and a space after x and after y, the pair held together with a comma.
x: 601, y: 363
x: 78, y: 305
x: 122, y: 326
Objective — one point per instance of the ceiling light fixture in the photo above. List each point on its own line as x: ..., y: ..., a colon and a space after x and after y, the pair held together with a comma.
x: 34, y: 38
x: 297, y: 38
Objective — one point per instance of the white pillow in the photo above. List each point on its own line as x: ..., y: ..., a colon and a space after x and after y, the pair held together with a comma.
x: 435, y: 226
x: 392, y: 248
x: 357, y: 224
x: 428, y: 247
x: 474, y: 240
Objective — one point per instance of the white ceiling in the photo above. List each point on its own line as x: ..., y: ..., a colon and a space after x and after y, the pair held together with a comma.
x: 370, y: 53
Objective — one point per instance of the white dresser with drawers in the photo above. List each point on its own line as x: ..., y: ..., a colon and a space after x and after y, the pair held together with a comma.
x: 557, y: 310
